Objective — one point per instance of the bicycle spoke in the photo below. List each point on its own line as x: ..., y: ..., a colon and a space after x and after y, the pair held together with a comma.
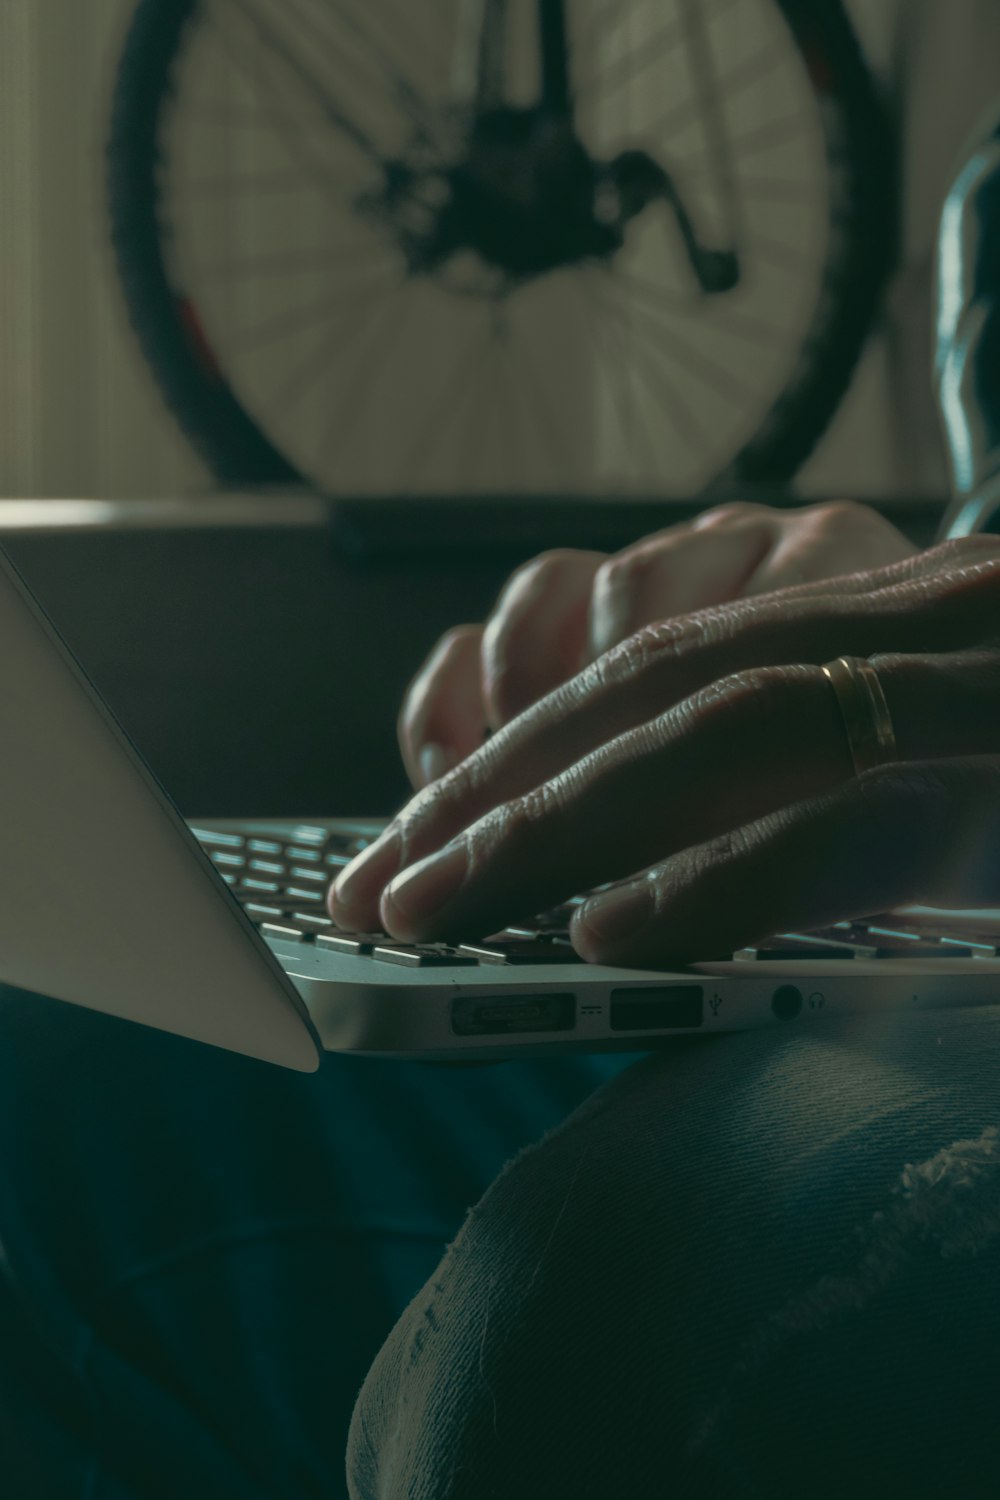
x: 248, y: 183
x: 451, y: 400
x: 333, y: 336
x: 669, y: 303
x: 284, y: 122
x: 732, y: 83
x: 761, y: 138
x: 519, y: 422
x: 297, y: 67
x: 629, y: 412
x: 468, y: 450
x: 394, y: 83
x: 712, y: 372
x: 303, y: 315
x: 680, y: 413
x: 392, y: 34
x: 322, y: 258
x: 363, y: 384
x: 542, y: 410
x: 602, y: 14
x: 625, y: 70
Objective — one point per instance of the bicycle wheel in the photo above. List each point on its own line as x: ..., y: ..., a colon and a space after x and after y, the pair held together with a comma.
x: 345, y: 271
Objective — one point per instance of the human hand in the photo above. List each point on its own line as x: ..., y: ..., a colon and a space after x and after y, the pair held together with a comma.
x: 566, y: 608
x: 704, y: 764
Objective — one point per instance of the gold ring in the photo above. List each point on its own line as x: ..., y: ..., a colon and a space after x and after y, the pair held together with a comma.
x: 864, y: 710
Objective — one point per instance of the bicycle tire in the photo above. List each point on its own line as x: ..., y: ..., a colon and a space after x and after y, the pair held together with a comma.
x: 200, y: 394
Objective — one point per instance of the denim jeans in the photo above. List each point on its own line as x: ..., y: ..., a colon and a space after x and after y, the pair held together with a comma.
x: 756, y: 1265
x: 200, y: 1254
x: 760, y: 1265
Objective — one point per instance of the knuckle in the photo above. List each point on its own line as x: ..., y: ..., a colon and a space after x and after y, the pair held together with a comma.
x: 621, y: 574
x: 753, y: 690
x: 630, y: 658
x: 541, y: 570
x: 454, y: 640
x: 835, y: 514
x: 733, y: 512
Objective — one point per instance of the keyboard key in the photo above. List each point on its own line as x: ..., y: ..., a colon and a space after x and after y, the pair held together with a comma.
x: 977, y: 949
x: 801, y: 945
x: 311, y: 922
x: 303, y: 856
x: 264, y: 846
x: 518, y: 951
x: 228, y: 877
x: 263, y: 887
x: 258, y: 913
x: 267, y: 866
x: 209, y: 836
x: 893, y: 942
x: 282, y: 930
x: 338, y: 861
x: 318, y: 877
x: 770, y: 953
x: 224, y: 858
x: 351, y: 942
x: 307, y: 833
x: 421, y: 956
x: 298, y: 894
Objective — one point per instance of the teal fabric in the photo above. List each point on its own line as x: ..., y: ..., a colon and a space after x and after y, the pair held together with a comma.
x: 762, y: 1265
x: 201, y: 1254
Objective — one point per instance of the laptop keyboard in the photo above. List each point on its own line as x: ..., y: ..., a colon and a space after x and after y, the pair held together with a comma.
x: 282, y: 884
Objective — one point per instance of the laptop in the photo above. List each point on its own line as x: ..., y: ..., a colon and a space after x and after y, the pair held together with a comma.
x: 217, y: 930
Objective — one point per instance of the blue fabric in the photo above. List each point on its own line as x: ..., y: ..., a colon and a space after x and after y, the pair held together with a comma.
x: 202, y: 1254
x: 754, y: 1267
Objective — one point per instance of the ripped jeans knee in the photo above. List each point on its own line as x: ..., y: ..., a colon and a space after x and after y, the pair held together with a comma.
x: 749, y: 1267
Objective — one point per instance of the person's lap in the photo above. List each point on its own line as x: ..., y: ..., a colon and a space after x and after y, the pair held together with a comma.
x: 756, y: 1265
x: 201, y: 1255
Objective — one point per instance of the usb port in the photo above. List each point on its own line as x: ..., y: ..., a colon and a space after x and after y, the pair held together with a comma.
x: 657, y: 1008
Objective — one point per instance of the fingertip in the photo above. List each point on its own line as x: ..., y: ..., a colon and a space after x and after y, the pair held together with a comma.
x: 608, y: 923
x: 353, y: 897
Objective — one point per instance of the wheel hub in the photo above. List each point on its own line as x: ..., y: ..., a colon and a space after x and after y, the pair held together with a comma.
x: 521, y: 195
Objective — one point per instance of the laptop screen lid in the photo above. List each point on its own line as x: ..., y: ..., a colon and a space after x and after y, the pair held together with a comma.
x: 106, y: 899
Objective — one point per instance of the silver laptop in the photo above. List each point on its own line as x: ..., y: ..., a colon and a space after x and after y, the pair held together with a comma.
x: 218, y: 930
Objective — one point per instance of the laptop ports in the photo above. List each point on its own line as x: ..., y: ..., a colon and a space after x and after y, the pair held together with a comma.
x: 511, y: 1015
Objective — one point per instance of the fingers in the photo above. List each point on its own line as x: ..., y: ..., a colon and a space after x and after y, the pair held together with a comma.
x: 678, y: 570
x: 674, y: 783
x: 480, y: 677
x: 567, y: 607
x: 732, y: 551
x: 443, y: 717
x: 537, y: 635
x: 951, y: 608
x: 832, y: 540
x: 927, y: 832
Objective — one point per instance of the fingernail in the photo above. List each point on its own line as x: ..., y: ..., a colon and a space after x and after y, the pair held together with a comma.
x: 619, y: 915
x: 365, y: 877
x: 421, y: 890
x: 435, y: 761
